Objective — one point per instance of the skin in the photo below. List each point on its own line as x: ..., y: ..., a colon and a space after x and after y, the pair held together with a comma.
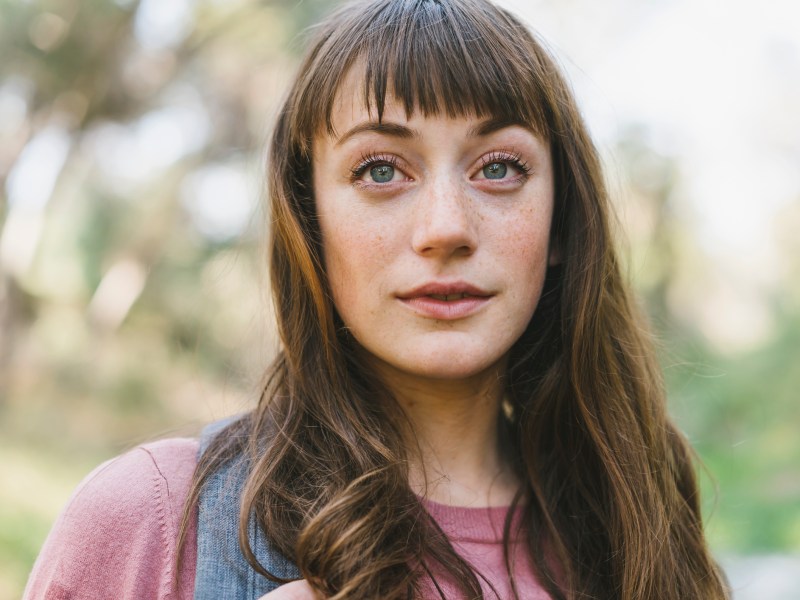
x: 435, y: 214
x: 296, y: 590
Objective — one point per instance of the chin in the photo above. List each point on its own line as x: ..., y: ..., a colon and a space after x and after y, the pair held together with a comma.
x: 445, y: 372
x: 447, y: 366
x: 436, y: 357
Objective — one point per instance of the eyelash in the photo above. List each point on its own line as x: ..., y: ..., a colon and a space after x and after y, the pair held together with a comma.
x: 509, y: 157
x: 369, y: 160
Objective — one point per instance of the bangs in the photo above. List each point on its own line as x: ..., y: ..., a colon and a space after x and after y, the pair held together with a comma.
x: 440, y: 57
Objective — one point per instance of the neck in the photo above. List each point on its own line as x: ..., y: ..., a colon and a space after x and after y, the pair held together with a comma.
x: 454, y: 448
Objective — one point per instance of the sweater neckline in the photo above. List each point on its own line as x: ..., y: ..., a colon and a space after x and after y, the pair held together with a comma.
x: 482, y: 524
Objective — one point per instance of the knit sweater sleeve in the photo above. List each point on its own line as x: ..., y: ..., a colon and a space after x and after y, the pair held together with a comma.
x: 117, y: 536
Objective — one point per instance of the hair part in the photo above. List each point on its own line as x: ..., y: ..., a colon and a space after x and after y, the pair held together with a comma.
x: 610, y: 498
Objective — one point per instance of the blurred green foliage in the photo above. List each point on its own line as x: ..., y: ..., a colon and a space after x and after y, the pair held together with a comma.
x: 742, y: 415
x: 131, y: 306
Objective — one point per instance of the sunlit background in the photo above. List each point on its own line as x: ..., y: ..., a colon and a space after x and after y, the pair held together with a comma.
x: 132, y: 288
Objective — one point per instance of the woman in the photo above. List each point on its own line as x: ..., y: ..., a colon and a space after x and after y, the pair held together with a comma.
x: 466, y: 403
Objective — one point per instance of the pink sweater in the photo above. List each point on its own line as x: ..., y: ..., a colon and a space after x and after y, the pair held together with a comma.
x: 117, y: 536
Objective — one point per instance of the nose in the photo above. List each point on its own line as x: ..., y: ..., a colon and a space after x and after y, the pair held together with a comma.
x: 445, y: 223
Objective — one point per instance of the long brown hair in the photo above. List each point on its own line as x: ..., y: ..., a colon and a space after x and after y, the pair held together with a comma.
x: 610, y: 498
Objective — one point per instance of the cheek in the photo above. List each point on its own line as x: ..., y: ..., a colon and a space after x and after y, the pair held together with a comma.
x: 524, y: 252
x: 355, y: 256
x: 526, y: 238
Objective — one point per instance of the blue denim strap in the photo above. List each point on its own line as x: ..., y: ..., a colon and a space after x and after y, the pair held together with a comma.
x: 222, y: 570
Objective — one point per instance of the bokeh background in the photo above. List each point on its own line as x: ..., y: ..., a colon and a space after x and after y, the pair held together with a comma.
x: 132, y: 284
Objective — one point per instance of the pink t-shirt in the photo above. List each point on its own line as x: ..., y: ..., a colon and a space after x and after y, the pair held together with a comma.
x: 117, y: 536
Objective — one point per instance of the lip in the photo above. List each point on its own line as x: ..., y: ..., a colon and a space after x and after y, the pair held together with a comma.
x: 421, y: 301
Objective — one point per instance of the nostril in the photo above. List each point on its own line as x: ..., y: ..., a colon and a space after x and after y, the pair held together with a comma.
x: 447, y: 224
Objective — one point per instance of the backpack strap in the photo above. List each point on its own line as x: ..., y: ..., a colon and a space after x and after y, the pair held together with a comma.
x: 222, y: 570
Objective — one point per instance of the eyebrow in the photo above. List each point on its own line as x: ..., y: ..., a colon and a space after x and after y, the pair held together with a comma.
x: 384, y: 128
x: 397, y: 130
x: 489, y: 126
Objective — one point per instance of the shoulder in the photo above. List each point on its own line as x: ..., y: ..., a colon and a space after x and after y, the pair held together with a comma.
x: 139, y: 489
x: 117, y: 536
x: 151, y: 473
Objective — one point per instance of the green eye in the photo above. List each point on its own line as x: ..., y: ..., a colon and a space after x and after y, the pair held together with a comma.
x: 382, y: 173
x: 495, y: 170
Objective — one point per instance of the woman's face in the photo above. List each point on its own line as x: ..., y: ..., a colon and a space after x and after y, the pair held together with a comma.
x: 435, y: 234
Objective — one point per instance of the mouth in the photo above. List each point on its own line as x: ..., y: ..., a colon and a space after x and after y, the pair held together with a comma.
x: 446, y: 301
x: 446, y: 291
x: 451, y: 297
